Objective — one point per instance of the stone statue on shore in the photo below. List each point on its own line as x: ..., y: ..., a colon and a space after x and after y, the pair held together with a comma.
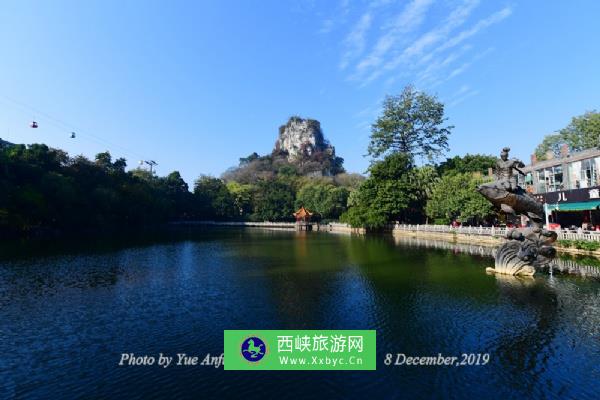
x: 526, y: 249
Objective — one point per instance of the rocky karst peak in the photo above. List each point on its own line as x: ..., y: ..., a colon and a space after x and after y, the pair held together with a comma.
x: 301, y: 139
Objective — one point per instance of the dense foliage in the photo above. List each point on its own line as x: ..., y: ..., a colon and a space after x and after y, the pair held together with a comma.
x: 274, y: 201
x: 455, y: 198
x: 394, y: 191
x: 327, y: 200
x: 214, y: 198
x: 43, y: 188
x: 583, y: 132
x: 588, y: 245
x: 470, y: 163
x: 254, y: 168
x: 412, y: 124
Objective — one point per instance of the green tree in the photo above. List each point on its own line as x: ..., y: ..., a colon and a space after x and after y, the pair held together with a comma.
x: 387, y: 195
x: 142, y: 174
x: 214, y: 198
x: 412, y: 124
x: 176, y: 192
x: 175, y: 183
x: 583, y: 132
x: 119, y: 165
x: 470, y: 163
x: 455, y: 197
x: 44, y: 189
x: 326, y: 199
x: 350, y: 181
x: 242, y: 198
x: 274, y: 201
x: 249, y: 159
x: 422, y: 180
x: 104, y: 160
x: 287, y: 170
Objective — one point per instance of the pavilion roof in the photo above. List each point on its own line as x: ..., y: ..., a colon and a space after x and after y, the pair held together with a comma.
x: 302, y: 212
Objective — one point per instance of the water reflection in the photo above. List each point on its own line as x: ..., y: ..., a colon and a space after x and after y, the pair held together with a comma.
x: 583, y: 266
x: 531, y: 332
x: 65, y: 317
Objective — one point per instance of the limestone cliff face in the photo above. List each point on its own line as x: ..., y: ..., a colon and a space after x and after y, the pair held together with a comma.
x: 300, y: 149
x: 302, y: 139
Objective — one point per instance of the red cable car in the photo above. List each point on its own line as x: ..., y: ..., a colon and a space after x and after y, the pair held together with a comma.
x: 33, y: 124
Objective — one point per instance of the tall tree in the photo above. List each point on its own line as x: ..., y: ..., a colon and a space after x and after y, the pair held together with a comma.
x: 583, y: 132
x: 104, y: 160
x: 472, y: 163
x: 423, y: 181
x: 455, y: 197
x: 175, y: 183
x: 215, y: 200
x: 388, y: 194
x: 274, y: 201
x: 326, y: 199
x: 411, y: 123
x: 242, y: 198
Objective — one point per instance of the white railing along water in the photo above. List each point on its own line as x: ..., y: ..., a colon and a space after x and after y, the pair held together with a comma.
x: 493, y: 231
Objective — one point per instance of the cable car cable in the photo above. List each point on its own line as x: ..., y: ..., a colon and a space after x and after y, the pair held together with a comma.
x: 61, y: 125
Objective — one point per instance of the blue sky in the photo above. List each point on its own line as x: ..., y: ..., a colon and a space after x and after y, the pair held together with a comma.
x: 196, y: 85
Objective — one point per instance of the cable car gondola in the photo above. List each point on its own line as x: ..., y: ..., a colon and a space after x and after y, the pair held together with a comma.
x: 72, y: 135
x: 33, y: 124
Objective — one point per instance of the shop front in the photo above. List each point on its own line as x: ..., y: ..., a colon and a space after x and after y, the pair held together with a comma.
x: 578, y: 208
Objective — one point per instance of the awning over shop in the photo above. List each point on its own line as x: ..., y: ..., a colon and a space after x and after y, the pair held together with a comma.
x: 581, y: 206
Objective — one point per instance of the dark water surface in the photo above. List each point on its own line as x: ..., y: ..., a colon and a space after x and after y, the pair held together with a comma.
x: 68, y: 310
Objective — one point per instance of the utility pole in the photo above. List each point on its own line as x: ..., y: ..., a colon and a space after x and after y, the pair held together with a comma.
x: 151, y: 164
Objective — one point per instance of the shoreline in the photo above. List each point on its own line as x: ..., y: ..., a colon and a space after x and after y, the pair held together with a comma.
x: 333, y: 227
x: 490, y: 241
x: 317, y: 227
x: 572, y: 261
x: 336, y: 227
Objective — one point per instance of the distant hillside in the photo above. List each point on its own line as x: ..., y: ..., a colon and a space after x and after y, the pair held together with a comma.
x: 5, y: 143
x: 300, y: 149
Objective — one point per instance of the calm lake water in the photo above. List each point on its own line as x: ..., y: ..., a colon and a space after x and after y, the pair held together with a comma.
x: 68, y: 310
